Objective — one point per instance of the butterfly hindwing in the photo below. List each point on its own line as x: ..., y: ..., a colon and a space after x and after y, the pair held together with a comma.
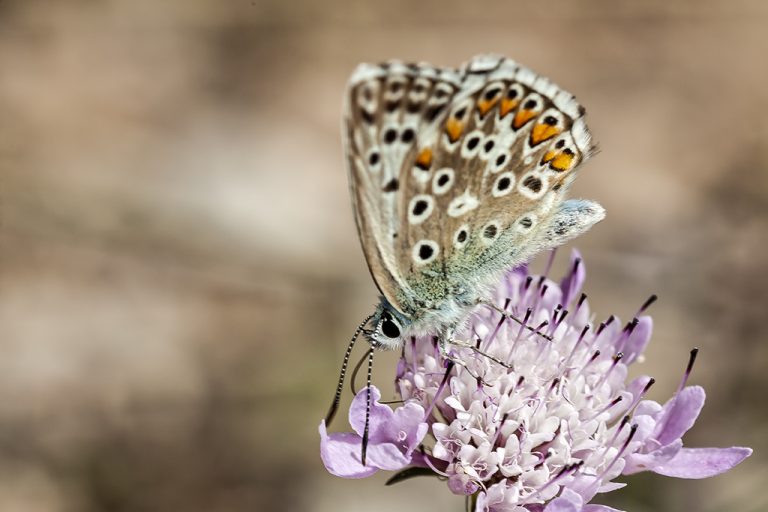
x: 457, y: 175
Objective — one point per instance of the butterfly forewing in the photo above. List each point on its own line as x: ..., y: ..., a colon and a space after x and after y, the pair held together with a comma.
x: 454, y: 172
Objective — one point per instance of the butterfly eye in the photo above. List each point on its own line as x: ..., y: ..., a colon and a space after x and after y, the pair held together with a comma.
x: 388, y: 326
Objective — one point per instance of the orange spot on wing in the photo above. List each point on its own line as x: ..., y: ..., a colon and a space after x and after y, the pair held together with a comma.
x: 562, y: 162
x: 522, y: 117
x: 507, y: 106
x: 548, y: 156
x: 424, y: 160
x: 484, y: 105
x: 454, y: 128
x: 542, y: 132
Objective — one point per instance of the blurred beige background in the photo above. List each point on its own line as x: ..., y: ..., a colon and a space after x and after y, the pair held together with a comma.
x: 180, y: 269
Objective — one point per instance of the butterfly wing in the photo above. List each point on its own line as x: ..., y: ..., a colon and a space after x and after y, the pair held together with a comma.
x: 388, y: 108
x: 458, y: 175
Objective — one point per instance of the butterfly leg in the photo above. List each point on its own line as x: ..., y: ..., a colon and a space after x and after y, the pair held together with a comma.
x: 445, y: 342
x: 476, y: 350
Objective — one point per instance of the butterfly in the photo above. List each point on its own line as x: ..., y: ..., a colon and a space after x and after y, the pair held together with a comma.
x: 456, y: 176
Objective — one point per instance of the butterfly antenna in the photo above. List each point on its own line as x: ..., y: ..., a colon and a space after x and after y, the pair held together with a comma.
x: 337, y: 397
x: 367, y: 405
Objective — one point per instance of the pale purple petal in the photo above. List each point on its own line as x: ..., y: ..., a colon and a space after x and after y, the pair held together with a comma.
x: 461, y: 484
x: 600, y: 508
x: 679, y: 414
x: 406, y: 429
x: 649, y: 461
x: 638, y: 340
x: 568, y: 501
x: 341, y: 454
x: 386, y: 456
x: 703, y: 462
x: 380, y: 414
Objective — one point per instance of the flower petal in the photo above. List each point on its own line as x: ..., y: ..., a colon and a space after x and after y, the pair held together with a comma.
x: 679, y: 414
x: 600, y: 508
x: 703, y: 462
x: 568, y: 501
x: 380, y: 414
x: 386, y: 456
x: 638, y: 340
x: 341, y: 454
x: 638, y: 462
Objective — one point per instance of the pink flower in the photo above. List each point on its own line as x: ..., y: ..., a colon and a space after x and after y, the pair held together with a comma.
x: 393, y: 437
x: 533, y: 421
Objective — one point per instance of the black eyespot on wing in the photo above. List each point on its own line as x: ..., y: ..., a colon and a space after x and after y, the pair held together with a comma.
x: 425, y: 251
x: 392, y: 185
x: 530, y: 105
x: 500, y: 159
x: 412, y: 107
x: 532, y: 183
x: 460, y: 113
x: 408, y: 135
x: 490, y: 231
x: 512, y: 93
x: 367, y: 116
x: 550, y: 120
x: 503, y: 184
x: 374, y: 158
x: 390, y: 135
x: 462, y: 236
x: 433, y: 112
x: 472, y: 143
x: 391, y: 106
x: 526, y: 222
x: 560, y: 144
x: 443, y: 179
x: 419, y: 207
x: 488, y: 146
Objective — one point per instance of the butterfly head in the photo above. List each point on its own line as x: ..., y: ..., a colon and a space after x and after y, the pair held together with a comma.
x: 389, y: 327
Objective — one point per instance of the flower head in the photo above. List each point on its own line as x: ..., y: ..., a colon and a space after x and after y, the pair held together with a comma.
x: 538, y: 415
